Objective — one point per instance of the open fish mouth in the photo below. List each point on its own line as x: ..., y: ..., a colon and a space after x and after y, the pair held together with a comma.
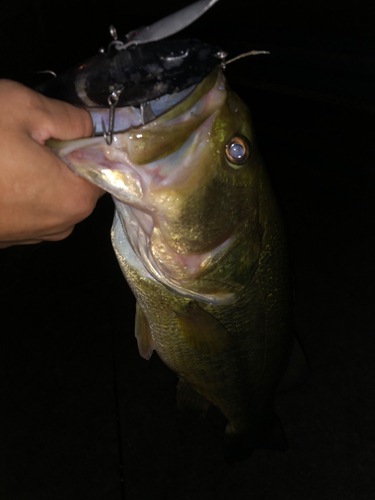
x: 144, y: 188
x: 143, y: 157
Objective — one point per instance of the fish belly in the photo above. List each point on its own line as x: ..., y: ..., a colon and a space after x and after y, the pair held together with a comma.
x: 231, y: 355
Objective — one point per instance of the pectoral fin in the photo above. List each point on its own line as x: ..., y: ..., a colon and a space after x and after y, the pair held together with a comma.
x: 143, y: 333
x: 202, y: 331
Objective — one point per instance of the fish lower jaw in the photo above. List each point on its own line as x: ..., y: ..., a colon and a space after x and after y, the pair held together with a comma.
x: 182, y: 268
x: 133, y: 232
x: 146, y: 237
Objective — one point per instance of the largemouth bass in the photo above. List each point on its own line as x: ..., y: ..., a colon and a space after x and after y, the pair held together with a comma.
x: 199, y: 238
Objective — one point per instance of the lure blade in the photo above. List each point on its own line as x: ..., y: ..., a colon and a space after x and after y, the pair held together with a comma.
x: 171, y: 24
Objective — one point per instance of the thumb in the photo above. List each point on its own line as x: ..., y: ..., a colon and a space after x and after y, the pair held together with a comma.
x: 60, y: 120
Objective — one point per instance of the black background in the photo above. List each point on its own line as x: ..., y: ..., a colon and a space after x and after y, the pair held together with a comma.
x: 80, y: 409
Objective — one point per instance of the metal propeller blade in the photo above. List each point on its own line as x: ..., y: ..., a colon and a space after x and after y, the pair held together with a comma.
x: 169, y: 25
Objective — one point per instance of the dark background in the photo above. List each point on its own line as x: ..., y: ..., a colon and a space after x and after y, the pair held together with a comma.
x: 83, y: 416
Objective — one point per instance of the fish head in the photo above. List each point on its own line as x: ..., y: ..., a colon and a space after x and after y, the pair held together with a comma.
x: 186, y: 186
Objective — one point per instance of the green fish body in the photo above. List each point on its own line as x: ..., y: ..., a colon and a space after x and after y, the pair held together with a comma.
x: 200, y: 240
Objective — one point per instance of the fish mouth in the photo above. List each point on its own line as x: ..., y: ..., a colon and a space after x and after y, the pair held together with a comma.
x: 125, y: 169
x: 146, y: 191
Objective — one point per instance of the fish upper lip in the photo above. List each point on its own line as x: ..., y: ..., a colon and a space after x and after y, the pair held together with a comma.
x: 132, y: 115
x: 127, y: 117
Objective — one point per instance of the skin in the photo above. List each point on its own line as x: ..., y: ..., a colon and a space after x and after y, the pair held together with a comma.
x: 40, y: 198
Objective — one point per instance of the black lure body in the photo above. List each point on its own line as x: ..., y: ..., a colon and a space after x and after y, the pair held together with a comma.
x: 137, y: 74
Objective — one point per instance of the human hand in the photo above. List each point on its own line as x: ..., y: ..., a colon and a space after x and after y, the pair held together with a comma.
x: 40, y: 198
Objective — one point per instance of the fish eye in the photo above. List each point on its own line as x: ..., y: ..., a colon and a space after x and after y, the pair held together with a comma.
x: 237, y: 151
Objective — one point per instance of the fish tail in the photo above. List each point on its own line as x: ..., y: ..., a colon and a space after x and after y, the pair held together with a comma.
x: 237, y: 447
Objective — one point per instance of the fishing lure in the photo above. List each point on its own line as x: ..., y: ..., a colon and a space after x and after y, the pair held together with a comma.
x: 138, y: 69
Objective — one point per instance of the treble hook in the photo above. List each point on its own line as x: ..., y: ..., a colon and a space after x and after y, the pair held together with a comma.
x: 112, y: 101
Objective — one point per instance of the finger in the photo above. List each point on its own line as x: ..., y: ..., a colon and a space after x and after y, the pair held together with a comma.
x: 43, y: 118
x: 59, y: 120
